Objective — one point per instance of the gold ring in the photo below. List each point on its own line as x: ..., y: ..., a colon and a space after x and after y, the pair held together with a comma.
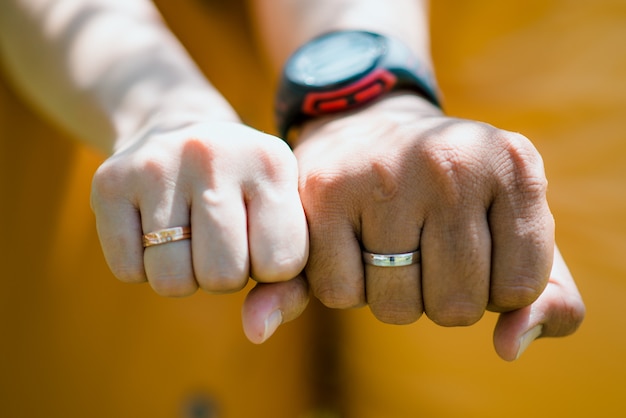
x: 164, y: 236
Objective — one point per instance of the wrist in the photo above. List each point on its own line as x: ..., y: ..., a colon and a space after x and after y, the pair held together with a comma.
x: 172, y: 110
x: 401, y: 107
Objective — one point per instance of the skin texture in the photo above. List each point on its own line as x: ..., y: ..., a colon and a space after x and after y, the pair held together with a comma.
x: 398, y: 175
x: 391, y: 177
x: 437, y: 185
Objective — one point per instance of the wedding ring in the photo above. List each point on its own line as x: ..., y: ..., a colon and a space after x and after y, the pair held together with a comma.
x: 391, y: 260
x: 164, y: 236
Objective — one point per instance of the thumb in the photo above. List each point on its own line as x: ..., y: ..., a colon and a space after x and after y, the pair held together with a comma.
x: 557, y: 312
x: 268, y: 305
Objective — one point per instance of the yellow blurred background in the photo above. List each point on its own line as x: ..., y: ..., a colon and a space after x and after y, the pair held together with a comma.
x: 77, y: 343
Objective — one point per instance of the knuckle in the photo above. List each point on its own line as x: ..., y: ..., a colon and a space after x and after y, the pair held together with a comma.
x: 173, y: 286
x: 157, y: 173
x: 456, y: 314
x: 325, y: 193
x: 221, y: 282
x: 278, y: 267
x: 276, y: 153
x: 448, y: 161
x: 128, y: 274
x: 566, y: 310
x: 396, y: 314
x: 324, y: 182
x: 454, y: 171
x: 120, y: 173
x: 274, y: 163
x: 106, y: 182
x: 337, y: 297
x: 520, y: 166
x: 511, y: 297
x: 575, y: 314
x: 568, y: 319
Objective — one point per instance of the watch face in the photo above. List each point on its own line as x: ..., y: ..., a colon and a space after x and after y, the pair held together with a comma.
x: 335, y: 59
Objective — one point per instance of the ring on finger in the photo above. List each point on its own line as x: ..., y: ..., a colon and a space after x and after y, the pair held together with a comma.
x: 167, y: 235
x: 391, y: 260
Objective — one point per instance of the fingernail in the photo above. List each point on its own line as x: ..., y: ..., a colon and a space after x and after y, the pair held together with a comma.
x: 528, y: 337
x: 271, y: 323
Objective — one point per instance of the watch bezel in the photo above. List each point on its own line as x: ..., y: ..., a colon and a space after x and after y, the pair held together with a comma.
x: 365, y: 58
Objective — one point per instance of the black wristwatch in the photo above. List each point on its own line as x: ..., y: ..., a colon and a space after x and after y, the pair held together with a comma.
x: 343, y: 70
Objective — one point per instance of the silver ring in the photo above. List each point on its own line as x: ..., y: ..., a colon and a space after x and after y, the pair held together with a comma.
x: 391, y: 260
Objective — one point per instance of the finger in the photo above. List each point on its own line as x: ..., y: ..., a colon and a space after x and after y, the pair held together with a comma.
x: 394, y: 294
x: 119, y: 229
x: 168, y: 266
x: 335, y: 268
x: 269, y: 305
x: 455, y: 264
x: 278, y: 236
x: 330, y: 198
x: 558, y: 312
x: 220, y: 240
x: 218, y: 216
x: 522, y: 230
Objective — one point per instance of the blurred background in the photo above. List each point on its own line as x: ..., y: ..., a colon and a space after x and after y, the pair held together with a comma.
x: 76, y: 342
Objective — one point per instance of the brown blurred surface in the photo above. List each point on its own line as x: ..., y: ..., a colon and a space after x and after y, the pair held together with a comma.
x: 75, y: 342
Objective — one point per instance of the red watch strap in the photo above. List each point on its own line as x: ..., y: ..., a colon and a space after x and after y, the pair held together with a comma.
x: 368, y: 88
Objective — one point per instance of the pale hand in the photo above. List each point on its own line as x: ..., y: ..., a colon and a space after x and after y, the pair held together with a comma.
x: 237, y: 189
